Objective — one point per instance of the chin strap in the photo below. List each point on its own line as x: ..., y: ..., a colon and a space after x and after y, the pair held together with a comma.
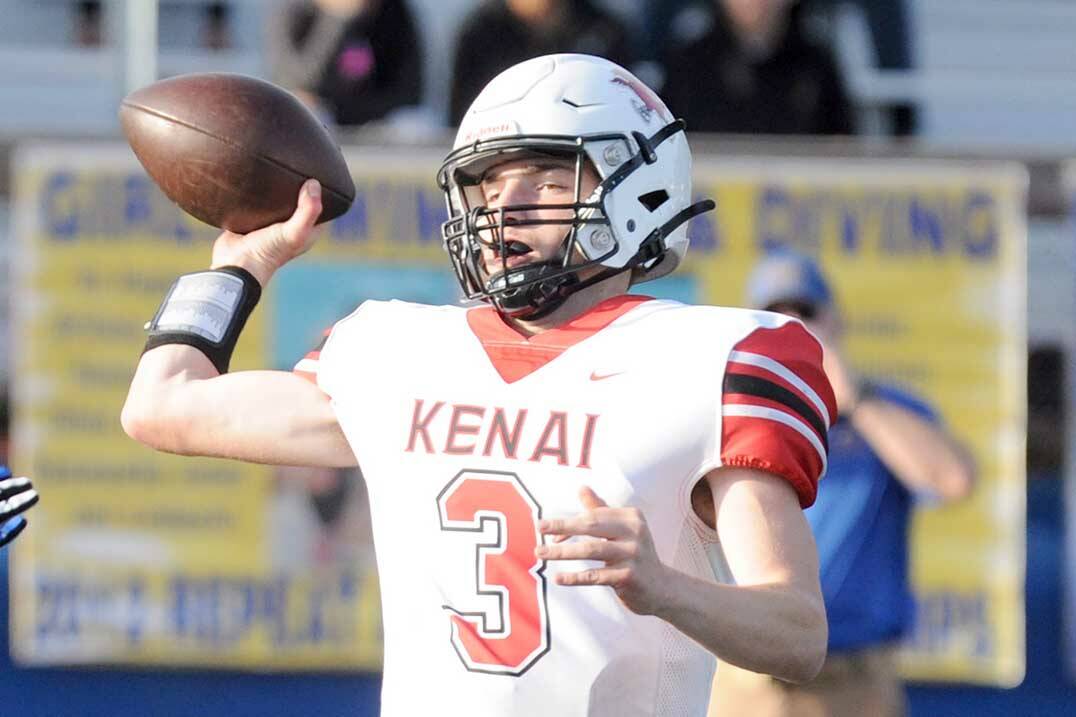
x: 645, y: 155
x: 653, y: 246
x: 539, y: 296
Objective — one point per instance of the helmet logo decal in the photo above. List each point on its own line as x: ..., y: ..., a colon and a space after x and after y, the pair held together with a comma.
x: 648, y: 103
x: 490, y: 130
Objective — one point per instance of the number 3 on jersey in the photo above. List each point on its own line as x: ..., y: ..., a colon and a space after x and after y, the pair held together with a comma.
x: 510, y: 642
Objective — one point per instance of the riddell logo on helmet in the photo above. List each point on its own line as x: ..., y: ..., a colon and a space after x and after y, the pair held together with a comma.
x: 650, y: 102
x: 492, y: 130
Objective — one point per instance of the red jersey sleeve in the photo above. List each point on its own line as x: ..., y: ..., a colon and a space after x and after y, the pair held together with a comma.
x: 308, y: 365
x: 777, y: 406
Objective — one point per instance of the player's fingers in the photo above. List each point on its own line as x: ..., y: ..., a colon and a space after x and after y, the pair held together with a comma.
x: 590, y: 499
x: 609, y: 551
x: 11, y: 486
x: 602, y: 523
x: 11, y: 529
x: 17, y: 504
x: 594, y: 576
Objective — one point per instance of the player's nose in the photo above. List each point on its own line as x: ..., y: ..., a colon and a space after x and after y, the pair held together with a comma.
x: 515, y: 191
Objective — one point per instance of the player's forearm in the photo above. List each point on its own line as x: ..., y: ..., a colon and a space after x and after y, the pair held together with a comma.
x: 771, y: 629
x: 919, y: 453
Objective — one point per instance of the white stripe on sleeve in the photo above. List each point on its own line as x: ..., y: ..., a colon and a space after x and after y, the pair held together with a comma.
x: 771, y: 414
x: 779, y: 369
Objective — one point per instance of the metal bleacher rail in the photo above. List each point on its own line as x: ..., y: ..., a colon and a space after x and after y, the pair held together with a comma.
x: 998, y: 73
x: 52, y: 86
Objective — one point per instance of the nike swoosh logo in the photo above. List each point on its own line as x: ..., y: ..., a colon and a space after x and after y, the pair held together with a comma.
x: 595, y: 376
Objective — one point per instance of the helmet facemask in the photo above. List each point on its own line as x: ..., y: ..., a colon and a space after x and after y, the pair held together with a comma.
x: 534, y: 289
x: 600, y: 233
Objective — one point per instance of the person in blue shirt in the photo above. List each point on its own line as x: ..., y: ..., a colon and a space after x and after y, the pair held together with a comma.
x: 17, y: 495
x: 887, y: 450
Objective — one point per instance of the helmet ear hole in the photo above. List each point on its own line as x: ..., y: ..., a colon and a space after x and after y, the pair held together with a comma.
x: 653, y: 200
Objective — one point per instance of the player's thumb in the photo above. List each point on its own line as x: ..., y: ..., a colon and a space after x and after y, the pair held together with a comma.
x: 309, y: 207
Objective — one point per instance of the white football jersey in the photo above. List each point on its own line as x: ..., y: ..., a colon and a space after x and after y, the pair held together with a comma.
x: 468, y: 433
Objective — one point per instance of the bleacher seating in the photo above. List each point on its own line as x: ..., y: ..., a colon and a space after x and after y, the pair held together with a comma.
x: 993, y: 72
x: 52, y: 86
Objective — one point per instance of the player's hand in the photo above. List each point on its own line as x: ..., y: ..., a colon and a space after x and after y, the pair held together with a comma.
x: 265, y: 250
x: 17, y: 495
x: 621, y: 539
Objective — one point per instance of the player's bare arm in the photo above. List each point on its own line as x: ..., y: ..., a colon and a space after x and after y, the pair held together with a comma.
x: 772, y: 621
x: 180, y: 402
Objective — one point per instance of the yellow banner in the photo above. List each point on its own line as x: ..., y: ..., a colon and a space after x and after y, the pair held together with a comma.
x: 137, y: 557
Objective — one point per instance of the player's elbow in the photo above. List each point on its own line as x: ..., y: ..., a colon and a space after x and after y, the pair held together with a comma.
x: 803, y: 660
x: 139, y: 421
x: 145, y: 418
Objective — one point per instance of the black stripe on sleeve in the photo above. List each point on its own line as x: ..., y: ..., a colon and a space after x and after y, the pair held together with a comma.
x: 761, y: 388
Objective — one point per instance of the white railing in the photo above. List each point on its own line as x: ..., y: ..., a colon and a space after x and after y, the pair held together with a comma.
x: 988, y: 72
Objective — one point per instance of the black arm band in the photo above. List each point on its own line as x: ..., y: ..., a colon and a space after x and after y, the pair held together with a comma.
x: 206, y: 310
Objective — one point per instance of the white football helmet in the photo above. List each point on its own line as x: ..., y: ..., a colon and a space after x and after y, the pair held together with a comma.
x: 597, y: 112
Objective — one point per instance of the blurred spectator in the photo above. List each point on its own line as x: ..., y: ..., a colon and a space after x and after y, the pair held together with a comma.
x: 891, y: 33
x: 886, y: 449
x: 88, y: 23
x: 217, y: 26
x: 501, y: 33
x: 359, y: 59
x: 319, y: 517
x: 747, y: 66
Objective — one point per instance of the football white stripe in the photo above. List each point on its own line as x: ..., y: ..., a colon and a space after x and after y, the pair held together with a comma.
x: 306, y: 365
x: 790, y: 420
x: 779, y: 369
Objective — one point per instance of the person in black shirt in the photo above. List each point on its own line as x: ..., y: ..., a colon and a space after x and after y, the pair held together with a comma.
x: 501, y: 33
x: 357, y: 59
x: 753, y: 70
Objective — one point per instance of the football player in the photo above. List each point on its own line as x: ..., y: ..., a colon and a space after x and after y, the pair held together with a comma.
x: 580, y: 496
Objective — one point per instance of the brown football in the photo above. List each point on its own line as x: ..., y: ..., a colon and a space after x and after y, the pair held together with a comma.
x: 234, y: 150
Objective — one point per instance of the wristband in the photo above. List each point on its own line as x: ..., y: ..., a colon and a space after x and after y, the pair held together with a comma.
x: 206, y: 310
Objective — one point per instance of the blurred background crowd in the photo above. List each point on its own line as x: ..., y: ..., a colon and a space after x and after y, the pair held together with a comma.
x: 794, y: 67
x: 879, y: 90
